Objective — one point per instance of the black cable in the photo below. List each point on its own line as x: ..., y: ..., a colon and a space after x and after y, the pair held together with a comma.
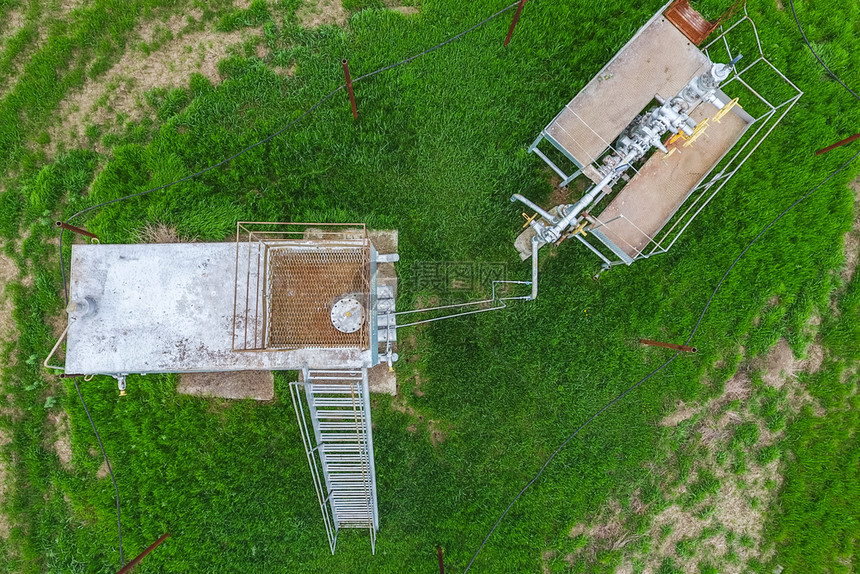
x: 814, y: 53
x: 277, y: 133
x: 110, y: 470
x: 661, y: 367
x: 201, y: 172
x: 437, y: 46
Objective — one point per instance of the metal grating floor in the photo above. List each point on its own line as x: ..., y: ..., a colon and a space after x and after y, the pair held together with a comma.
x: 302, y: 287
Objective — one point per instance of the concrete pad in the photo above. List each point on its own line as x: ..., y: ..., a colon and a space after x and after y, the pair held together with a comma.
x: 381, y: 380
x: 257, y: 385
x: 169, y: 308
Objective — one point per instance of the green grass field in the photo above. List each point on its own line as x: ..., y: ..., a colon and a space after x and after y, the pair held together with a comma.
x: 437, y: 150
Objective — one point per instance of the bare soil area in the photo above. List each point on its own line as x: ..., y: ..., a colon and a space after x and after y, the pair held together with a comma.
x: 118, y: 95
x: 257, y: 385
x: 8, y: 274
x: 4, y: 486
x: 738, y: 507
x: 322, y: 12
x: 852, y: 238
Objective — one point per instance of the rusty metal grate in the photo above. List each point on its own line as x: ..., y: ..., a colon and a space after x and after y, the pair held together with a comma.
x: 303, y: 286
x: 288, y: 277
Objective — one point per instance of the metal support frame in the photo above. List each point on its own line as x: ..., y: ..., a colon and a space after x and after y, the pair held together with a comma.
x: 729, y: 164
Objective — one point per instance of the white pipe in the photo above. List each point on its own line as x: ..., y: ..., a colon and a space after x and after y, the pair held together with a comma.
x: 586, y: 200
x: 546, y: 215
x: 535, y: 247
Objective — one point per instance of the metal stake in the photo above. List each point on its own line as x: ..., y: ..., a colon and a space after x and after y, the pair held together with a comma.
x: 349, y: 88
x: 76, y: 229
x: 669, y: 346
x: 515, y: 20
x: 133, y: 563
x: 441, y: 563
x: 837, y: 144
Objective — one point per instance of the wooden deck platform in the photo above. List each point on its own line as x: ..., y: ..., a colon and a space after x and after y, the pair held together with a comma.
x: 658, y: 61
x: 654, y: 194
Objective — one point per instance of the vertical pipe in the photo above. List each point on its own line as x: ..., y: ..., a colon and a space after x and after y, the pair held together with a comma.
x: 514, y: 21
x: 535, y: 247
x: 349, y: 88
x: 82, y: 231
x: 142, y: 555
x: 684, y: 348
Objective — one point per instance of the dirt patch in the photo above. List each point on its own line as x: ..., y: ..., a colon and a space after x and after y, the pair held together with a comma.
x: 682, y: 412
x: 67, y: 6
x: 562, y: 195
x: 15, y: 20
x: 779, y: 368
x: 779, y: 365
x: 160, y: 233
x: 852, y: 238
x: 405, y: 10
x: 720, y: 508
x: 118, y: 95
x: 4, y: 486
x: 8, y: 274
x: 437, y: 437
x: 257, y: 385
x: 103, y: 472
x: 779, y: 5
x: 315, y: 13
x: 58, y: 421
x: 545, y: 558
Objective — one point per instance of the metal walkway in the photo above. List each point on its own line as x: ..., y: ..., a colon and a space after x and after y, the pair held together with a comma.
x: 333, y: 410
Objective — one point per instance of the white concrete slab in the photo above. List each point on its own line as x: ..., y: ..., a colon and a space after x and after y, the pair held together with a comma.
x: 169, y: 308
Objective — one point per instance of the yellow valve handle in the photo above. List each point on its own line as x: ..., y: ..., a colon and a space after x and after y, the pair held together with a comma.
x: 676, y: 137
x: 700, y: 129
x: 528, y: 219
x: 726, y: 109
x: 580, y: 229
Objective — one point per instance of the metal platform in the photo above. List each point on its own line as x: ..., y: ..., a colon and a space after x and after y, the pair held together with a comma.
x: 654, y: 208
x: 171, y: 308
x: 657, y: 62
x: 661, y: 186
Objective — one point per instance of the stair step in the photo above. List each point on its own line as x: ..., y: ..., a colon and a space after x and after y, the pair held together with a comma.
x: 352, y: 425
x: 335, y: 402
x: 334, y: 389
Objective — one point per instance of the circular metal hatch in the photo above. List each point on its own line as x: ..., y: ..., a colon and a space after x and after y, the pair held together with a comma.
x: 347, y: 314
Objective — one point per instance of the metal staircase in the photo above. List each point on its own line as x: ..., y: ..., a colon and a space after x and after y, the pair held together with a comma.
x: 339, y: 445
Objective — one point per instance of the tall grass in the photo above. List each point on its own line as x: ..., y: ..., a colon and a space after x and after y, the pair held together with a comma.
x: 438, y: 148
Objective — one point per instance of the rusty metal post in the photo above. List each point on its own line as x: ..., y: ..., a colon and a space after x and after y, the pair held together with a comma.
x: 349, y: 88
x: 76, y: 229
x: 142, y: 555
x: 838, y: 144
x: 514, y: 21
x: 669, y: 346
x: 441, y: 563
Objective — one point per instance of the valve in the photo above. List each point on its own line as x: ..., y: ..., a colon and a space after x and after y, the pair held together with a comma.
x: 726, y: 109
x: 700, y: 129
x: 120, y: 381
x: 528, y: 219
